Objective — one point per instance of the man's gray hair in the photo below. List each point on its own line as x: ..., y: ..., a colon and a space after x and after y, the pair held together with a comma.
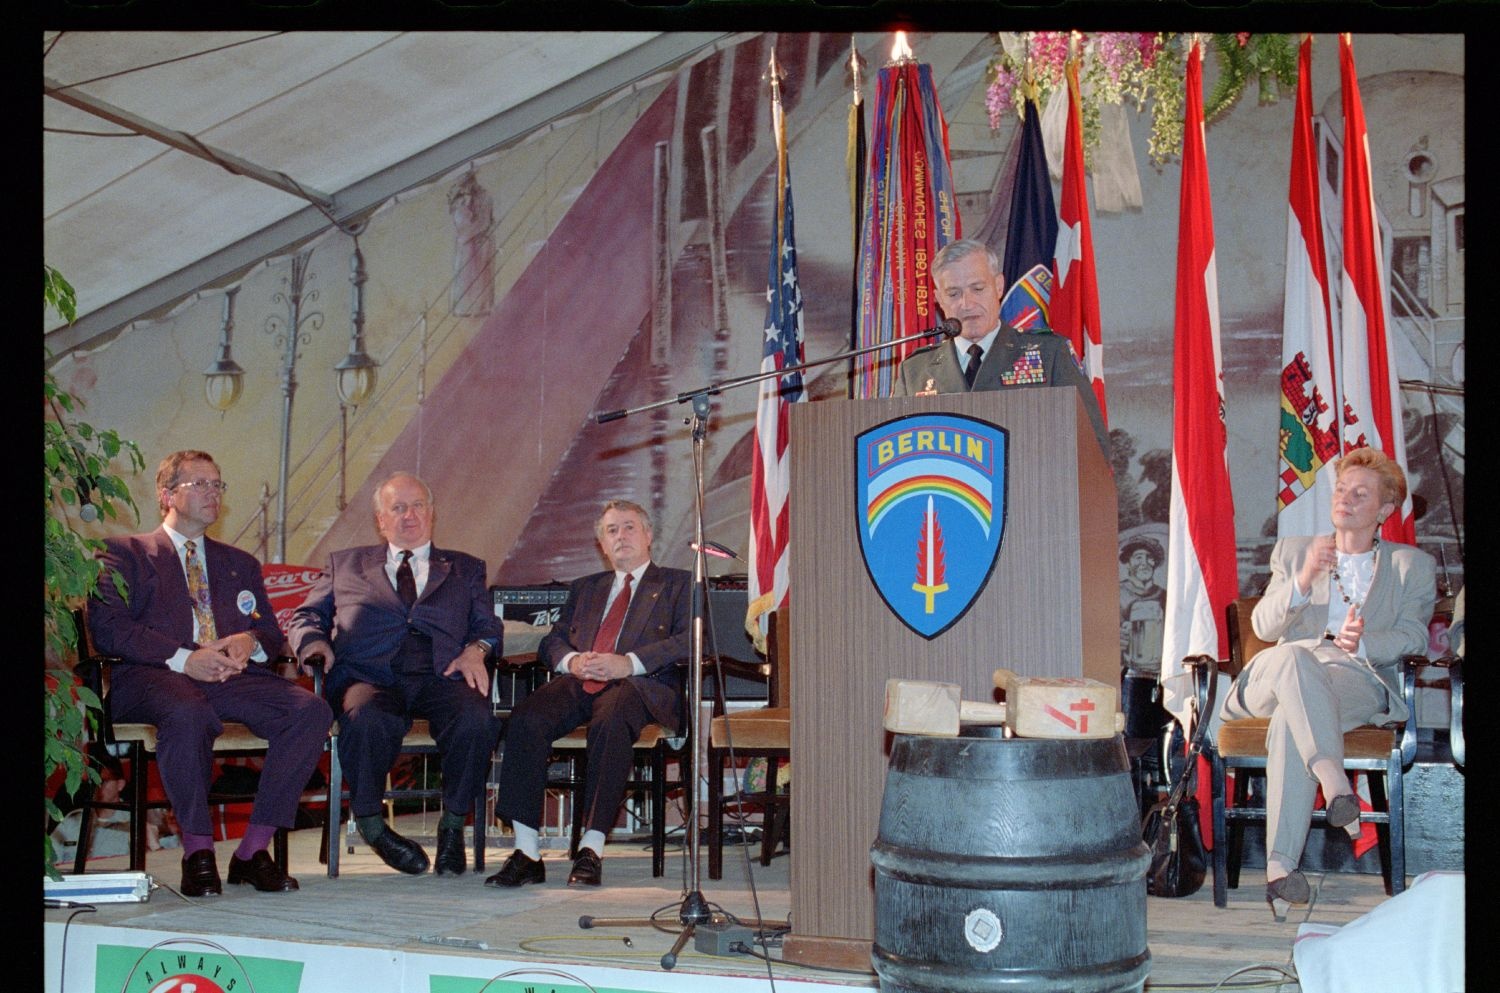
x: 402, y: 474
x: 957, y: 251
x: 623, y: 505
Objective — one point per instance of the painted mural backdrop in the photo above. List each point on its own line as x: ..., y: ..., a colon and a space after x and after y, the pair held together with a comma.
x: 618, y: 258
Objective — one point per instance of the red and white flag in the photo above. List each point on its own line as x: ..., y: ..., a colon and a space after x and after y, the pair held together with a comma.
x: 1202, y: 573
x: 1310, y: 399
x: 1372, y: 398
x: 1075, y: 295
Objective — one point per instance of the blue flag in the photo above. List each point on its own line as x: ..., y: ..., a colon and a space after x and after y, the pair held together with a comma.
x: 1031, y: 238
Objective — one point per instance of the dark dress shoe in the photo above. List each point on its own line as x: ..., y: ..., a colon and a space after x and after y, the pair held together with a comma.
x: 1343, y: 810
x: 262, y: 872
x: 450, y: 852
x: 200, y: 874
x: 401, y: 854
x: 1288, y: 891
x: 519, y: 870
x: 588, y: 869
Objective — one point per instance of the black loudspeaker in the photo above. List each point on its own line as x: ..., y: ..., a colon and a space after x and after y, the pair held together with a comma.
x: 538, y: 606
x: 727, y: 601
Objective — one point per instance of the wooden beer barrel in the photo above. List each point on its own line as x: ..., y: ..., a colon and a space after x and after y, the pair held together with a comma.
x: 1009, y: 864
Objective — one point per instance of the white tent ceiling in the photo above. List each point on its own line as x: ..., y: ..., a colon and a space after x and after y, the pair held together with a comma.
x: 175, y: 159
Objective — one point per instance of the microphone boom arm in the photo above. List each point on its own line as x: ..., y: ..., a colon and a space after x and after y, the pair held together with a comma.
x: 946, y: 330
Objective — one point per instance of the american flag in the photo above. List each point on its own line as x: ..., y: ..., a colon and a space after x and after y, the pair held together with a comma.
x: 781, y: 348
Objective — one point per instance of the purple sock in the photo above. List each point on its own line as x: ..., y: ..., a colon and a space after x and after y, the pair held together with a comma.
x: 194, y: 843
x: 257, y: 837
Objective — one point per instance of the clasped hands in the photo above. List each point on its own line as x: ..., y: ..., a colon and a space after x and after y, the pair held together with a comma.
x: 216, y: 661
x: 603, y: 666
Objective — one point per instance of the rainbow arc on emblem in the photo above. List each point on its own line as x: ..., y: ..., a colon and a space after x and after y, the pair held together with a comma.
x: 928, y: 478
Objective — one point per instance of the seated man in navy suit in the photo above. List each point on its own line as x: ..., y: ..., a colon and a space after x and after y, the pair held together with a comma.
x: 617, y: 647
x: 195, y: 622
x: 405, y: 629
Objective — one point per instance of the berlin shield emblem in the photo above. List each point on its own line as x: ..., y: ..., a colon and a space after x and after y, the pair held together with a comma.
x: 930, y: 496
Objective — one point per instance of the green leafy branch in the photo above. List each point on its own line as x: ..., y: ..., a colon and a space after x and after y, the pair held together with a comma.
x: 76, y: 459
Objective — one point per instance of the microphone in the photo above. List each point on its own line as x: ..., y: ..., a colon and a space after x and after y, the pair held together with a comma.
x: 716, y: 550
x: 948, y: 328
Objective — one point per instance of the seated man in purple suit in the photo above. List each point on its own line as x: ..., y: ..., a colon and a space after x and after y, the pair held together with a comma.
x: 405, y: 629
x: 618, y: 646
x: 195, y: 622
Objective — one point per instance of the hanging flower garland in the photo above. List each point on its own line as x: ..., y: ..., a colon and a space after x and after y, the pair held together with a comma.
x: 1144, y: 67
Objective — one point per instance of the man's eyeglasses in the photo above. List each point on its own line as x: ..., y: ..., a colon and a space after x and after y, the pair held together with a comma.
x: 204, y: 485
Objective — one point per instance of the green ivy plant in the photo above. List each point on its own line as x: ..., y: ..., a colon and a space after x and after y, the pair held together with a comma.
x: 76, y: 461
x: 1144, y: 67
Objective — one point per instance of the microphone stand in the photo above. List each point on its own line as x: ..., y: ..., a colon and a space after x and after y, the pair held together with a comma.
x: 948, y: 329
x: 694, y: 910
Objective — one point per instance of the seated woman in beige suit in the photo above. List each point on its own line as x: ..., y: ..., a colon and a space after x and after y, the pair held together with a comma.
x: 1342, y: 609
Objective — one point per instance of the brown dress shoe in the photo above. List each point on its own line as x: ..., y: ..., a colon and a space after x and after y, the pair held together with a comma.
x: 200, y: 874
x: 262, y: 872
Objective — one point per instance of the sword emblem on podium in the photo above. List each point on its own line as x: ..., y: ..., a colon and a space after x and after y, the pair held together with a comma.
x: 940, y: 477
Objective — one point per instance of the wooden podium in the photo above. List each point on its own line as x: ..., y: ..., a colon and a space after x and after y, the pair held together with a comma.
x: 1050, y: 607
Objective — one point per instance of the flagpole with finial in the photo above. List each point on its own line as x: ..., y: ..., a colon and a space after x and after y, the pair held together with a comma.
x: 775, y: 75
x: 854, y: 165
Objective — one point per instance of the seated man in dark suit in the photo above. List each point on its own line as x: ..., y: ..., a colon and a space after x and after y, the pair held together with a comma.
x: 617, y: 646
x: 196, y: 620
x: 989, y: 354
x: 405, y: 629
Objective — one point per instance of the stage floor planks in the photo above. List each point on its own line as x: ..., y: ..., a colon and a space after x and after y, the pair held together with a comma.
x: 1192, y: 943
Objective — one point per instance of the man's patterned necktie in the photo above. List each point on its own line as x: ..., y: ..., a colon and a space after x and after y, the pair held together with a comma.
x: 197, y: 583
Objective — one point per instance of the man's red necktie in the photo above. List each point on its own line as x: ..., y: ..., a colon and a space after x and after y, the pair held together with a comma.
x: 609, y: 632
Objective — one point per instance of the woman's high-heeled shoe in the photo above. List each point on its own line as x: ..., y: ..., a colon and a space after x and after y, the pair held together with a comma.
x: 1343, y: 812
x: 1282, y: 893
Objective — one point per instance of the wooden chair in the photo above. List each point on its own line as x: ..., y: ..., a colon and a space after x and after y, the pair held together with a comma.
x: 135, y: 745
x: 763, y: 732
x: 654, y: 748
x: 417, y: 741
x: 1382, y: 753
x: 1453, y: 665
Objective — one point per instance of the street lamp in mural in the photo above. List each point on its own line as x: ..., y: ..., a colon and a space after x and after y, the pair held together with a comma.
x: 356, y: 372
x: 224, y: 380
x: 290, y: 332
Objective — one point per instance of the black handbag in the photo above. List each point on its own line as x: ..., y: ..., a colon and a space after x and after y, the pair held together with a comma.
x: 1170, y: 828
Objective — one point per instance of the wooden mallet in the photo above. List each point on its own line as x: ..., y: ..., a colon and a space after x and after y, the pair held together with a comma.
x: 914, y: 706
x: 1060, y: 707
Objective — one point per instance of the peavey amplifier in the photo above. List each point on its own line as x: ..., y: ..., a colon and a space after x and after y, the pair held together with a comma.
x: 537, y: 606
x: 534, y: 605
